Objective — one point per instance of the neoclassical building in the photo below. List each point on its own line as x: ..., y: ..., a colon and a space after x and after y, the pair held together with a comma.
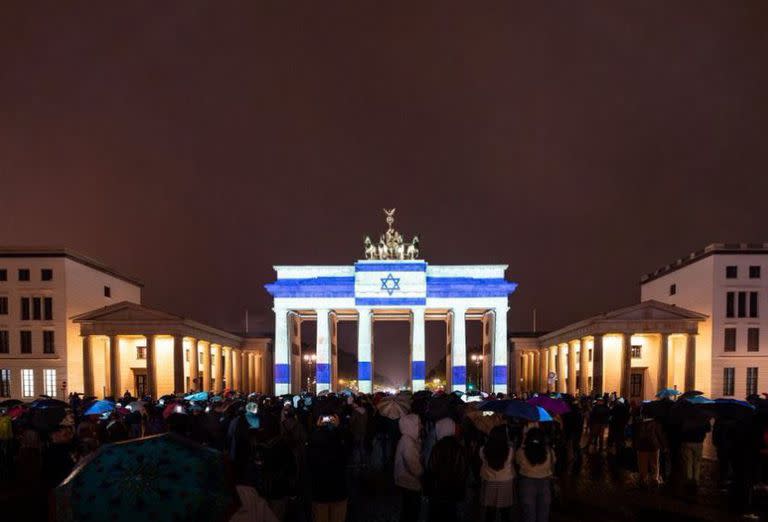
x: 633, y: 351
x: 128, y: 346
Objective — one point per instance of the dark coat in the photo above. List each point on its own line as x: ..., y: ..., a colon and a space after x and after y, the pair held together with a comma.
x: 327, y: 463
x: 446, y: 475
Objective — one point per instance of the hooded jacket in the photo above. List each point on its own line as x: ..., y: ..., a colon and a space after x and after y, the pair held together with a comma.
x: 408, y: 466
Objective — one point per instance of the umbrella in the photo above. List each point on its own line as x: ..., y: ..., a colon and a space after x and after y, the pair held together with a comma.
x: 484, y: 422
x: 517, y: 408
x: 48, y: 403
x: 392, y: 407
x: 347, y: 392
x: 732, y: 409
x: 137, y: 406
x: 10, y: 403
x: 667, y: 392
x: 699, y: 399
x: 161, y: 478
x: 656, y: 409
x: 199, y: 396
x: 46, y: 419
x: 553, y: 406
x: 100, y: 407
x: 692, y: 393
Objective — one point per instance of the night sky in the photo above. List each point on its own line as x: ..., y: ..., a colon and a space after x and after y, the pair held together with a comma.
x: 194, y: 145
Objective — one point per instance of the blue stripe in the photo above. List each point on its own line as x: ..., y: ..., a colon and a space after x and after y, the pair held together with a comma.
x: 394, y: 301
x: 469, y: 287
x: 499, y: 375
x: 418, y: 370
x: 323, y: 373
x: 459, y: 375
x: 313, y: 287
x: 391, y: 267
x: 282, y: 374
x: 363, y: 371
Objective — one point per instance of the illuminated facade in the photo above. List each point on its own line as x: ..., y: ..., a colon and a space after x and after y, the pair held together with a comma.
x: 632, y: 351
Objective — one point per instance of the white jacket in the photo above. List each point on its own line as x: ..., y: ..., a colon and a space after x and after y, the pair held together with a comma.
x: 408, y: 466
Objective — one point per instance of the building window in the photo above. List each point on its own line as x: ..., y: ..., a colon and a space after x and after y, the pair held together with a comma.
x: 26, y: 341
x: 23, y: 274
x: 48, y: 308
x: 751, y: 381
x: 729, y: 343
x: 141, y: 352
x: 3, y: 305
x: 49, y: 382
x: 46, y: 274
x: 25, y: 308
x: 28, y: 383
x: 636, y: 352
x: 590, y: 356
x: 754, y: 272
x: 729, y: 307
x: 742, y: 304
x: 3, y: 274
x: 36, y: 308
x: 48, y: 344
x: 5, y: 382
x: 672, y: 289
x: 753, y: 304
x: 728, y: 381
x: 731, y: 272
x: 753, y: 339
x: 107, y: 291
x: 5, y: 345
x: 636, y: 384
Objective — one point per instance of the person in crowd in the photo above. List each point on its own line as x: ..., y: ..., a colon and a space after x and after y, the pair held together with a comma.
x: 598, y: 421
x: 408, y: 467
x: 536, y: 463
x: 327, y: 461
x: 445, y: 479
x: 497, y: 475
x: 648, y: 441
x: 693, y: 429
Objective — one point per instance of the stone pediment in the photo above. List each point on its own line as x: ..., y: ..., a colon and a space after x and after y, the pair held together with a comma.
x: 654, y: 310
x: 126, y: 312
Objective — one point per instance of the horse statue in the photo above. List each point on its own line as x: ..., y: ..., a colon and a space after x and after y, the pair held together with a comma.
x: 369, y: 248
x: 412, y: 251
x: 383, y: 249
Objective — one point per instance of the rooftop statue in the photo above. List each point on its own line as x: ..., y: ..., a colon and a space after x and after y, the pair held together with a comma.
x: 391, y: 244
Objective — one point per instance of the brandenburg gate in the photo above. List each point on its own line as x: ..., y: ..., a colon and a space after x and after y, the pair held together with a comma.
x: 390, y: 284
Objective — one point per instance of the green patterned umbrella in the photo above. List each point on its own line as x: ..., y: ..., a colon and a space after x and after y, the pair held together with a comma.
x: 160, y: 478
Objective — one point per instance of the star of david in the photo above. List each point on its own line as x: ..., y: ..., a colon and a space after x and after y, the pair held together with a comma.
x: 390, y: 284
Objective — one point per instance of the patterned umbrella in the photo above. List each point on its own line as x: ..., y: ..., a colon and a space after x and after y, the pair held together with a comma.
x: 393, y: 407
x: 160, y: 478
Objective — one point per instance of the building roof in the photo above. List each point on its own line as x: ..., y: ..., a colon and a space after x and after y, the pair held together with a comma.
x: 714, y: 248
x: 34, y: 252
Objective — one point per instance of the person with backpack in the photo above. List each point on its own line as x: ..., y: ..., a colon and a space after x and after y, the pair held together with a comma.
x: 497, y: 475
x: 408, y: 467
x: 536, y: 462
x: 445, y: 480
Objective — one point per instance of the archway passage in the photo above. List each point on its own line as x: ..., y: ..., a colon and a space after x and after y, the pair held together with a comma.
x: 391, y: 355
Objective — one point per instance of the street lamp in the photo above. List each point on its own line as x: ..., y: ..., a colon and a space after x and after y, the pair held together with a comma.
x: 478, y: 360
x: 310, y: 359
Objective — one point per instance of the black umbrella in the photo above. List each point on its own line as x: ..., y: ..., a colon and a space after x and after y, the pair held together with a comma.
x: 48, y: 403
x: 10, y: 403
x: 692, y: 393
x: 731, y: 409
x: 656, y: 409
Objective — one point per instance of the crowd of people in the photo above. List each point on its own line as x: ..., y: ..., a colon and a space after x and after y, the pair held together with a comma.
x: 449, y: 456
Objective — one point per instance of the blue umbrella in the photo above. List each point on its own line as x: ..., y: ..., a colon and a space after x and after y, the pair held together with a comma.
x: 199, y: 396
x: 100, y: 407
x: 666, y: 393
x: 516, y: 408
x: 699, y: 399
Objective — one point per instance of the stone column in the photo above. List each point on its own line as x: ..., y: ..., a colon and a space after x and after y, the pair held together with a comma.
x: 151, y: 371
x: 516, y: 370
x: 282, y: 353
x: 219, y: 365
x: 228, y: 371
x: 597, y: 364
x: 323, y: 351
x: 499, y: 350
x: 626, y: 364
x: 178, y: 363
x: 690, y: 362
x: 418, y: 350
x: 572, y: 367
x: 244, y: 372
x: 364, y: 350
x: 236, y: 372
x: 561, y: 368
x: 553, y: 368
x: 459, y: 351
x: 88, y: 365
x: 583, y: 367
x: 195, y: 383
x: 663, y: 361
x: 543, y: 369
x: 525, y: 385
x: 448, y: 346
x: 206, y: 366
x: 114, y: 366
